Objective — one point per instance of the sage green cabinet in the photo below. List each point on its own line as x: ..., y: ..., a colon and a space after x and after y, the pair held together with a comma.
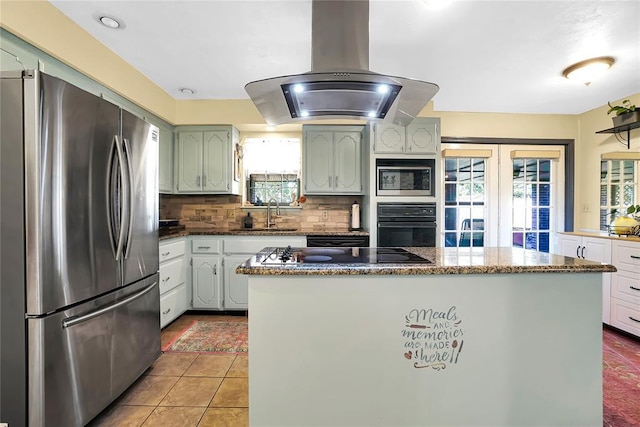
x: 205, y: 160
x: 206, y: 272
x: 420, y: 137
x: 165, y: 161
x: 332, y: 160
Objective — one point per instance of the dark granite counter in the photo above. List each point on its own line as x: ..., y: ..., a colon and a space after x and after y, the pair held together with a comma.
x: 445, y: 261
x: 181, y: 232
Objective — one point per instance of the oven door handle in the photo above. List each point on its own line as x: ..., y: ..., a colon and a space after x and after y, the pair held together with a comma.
x: 407, y: 224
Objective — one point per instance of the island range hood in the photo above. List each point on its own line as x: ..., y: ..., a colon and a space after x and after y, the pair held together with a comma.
x: 340, y: 85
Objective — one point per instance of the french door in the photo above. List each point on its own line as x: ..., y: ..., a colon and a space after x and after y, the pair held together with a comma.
x: 502, y: 195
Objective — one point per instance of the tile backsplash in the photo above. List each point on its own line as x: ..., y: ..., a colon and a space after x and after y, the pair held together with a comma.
x: 225, y: 212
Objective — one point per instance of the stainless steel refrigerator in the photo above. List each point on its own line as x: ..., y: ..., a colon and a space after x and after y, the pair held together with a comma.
x: 79, y: 299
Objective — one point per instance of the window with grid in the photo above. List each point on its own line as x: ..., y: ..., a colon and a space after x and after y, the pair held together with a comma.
x: 283, y: 188
x: 618, y: 189
x: 531, y: 201
x: 465, y: 201
x: 271, y: 170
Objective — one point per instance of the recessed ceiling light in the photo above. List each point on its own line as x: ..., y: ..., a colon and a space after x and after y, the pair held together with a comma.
x: 588, y: 70
x: 109, y: 22
x: 187, y: 91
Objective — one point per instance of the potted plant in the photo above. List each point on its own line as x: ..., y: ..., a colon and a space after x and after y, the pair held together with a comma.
x: 625, y: 113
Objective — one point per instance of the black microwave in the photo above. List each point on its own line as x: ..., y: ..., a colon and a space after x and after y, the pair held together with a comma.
x: 405, y: 177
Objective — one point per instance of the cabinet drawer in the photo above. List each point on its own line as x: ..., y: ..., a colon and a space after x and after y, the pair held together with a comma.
x: 625, y: 316
x: 172, y: 273
x: 206, y: 246
x: 173, y: 304
x: 626, y: 286
x: 626, y: 256
x: 171, y: 249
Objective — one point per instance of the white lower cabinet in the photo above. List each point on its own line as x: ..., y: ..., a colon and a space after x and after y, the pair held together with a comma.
x: 238, y: 249
x: 174, y: 292
x: 206, y: 273
x: 173, y: 304
x: 625, y: 286
x: 594, y: 249
x: 236, y: 293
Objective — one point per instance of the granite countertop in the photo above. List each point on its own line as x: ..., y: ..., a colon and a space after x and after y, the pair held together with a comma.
x: 181, y: 231
x: 445, y: 261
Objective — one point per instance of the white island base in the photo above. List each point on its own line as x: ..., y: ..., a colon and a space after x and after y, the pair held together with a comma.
x: 425, y: 350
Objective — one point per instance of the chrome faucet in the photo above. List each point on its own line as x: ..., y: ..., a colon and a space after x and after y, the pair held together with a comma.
x: 269, y: 220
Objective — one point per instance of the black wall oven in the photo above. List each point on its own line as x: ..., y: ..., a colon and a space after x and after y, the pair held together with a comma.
x: 406, y: 224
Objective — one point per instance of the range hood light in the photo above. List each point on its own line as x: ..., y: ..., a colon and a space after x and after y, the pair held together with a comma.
x: 372, y: 114
x: 304, y: 113
x: 383, y: 88
x: 298, y: 88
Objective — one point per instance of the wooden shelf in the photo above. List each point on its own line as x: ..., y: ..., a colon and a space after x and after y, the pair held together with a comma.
x: 618, y: 130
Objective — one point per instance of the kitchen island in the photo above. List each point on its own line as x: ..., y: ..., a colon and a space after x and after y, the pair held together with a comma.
x: 477, y: 336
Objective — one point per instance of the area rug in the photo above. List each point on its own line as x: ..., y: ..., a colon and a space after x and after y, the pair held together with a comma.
x: 621, y: 380
x: 211, y: 337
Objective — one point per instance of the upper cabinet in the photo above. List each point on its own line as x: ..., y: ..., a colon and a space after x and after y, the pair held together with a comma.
x: 332, y: 159
x: 165, y: 160
x: 204, y: 160
x: 420, y: 137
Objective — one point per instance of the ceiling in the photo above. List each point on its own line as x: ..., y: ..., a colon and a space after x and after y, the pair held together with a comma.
x: 486, y: 56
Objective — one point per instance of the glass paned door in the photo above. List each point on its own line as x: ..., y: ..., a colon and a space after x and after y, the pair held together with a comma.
x: 532, y: 196
x: 531, y: 204
x: 465, y: 201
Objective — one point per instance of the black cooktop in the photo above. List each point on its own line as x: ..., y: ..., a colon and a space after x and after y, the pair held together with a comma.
x: 289, y: 255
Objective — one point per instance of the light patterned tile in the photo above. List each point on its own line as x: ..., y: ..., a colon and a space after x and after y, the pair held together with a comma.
x: 122, y: 416
x: 192, y: 391
x: 225, y: 417
x: 148, y: 390
x: 233, y: 393
x: 172, y: 364
x: 179, y: 416
x: 210, y: 365
x: 240, y: 367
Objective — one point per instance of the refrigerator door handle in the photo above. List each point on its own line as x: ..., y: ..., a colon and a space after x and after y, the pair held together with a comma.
x: 129, y: 195
x: 112, y: 237
x: 71, y: 321
x: 124, y: 209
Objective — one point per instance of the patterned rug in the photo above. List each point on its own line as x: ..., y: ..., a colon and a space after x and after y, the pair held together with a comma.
x: 621, y: 379
x: 211, y: 337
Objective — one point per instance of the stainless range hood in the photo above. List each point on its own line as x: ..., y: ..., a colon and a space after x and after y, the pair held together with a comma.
x: 340, y: 85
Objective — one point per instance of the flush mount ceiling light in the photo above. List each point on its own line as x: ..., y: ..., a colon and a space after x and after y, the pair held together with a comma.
x: 110, y: 22
x: 588, y: 70
x: 187, y: 91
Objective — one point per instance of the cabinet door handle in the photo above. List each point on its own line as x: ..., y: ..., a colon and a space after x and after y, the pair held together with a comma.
x: 582, y: 253
x: 578, y: 252
x: 215, y: 270
x: 634, y: 288
x: 167, y: 312
x: 198, y: 181
x: 204, y: 247
x: 165, y: 253
x: 635, y: 256
x: 166, y: 279
x: 204, y: 180
x: 329, y: 181
x: 635, y: 320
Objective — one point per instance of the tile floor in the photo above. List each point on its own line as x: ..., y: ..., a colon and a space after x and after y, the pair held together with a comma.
x: 185, y: 389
